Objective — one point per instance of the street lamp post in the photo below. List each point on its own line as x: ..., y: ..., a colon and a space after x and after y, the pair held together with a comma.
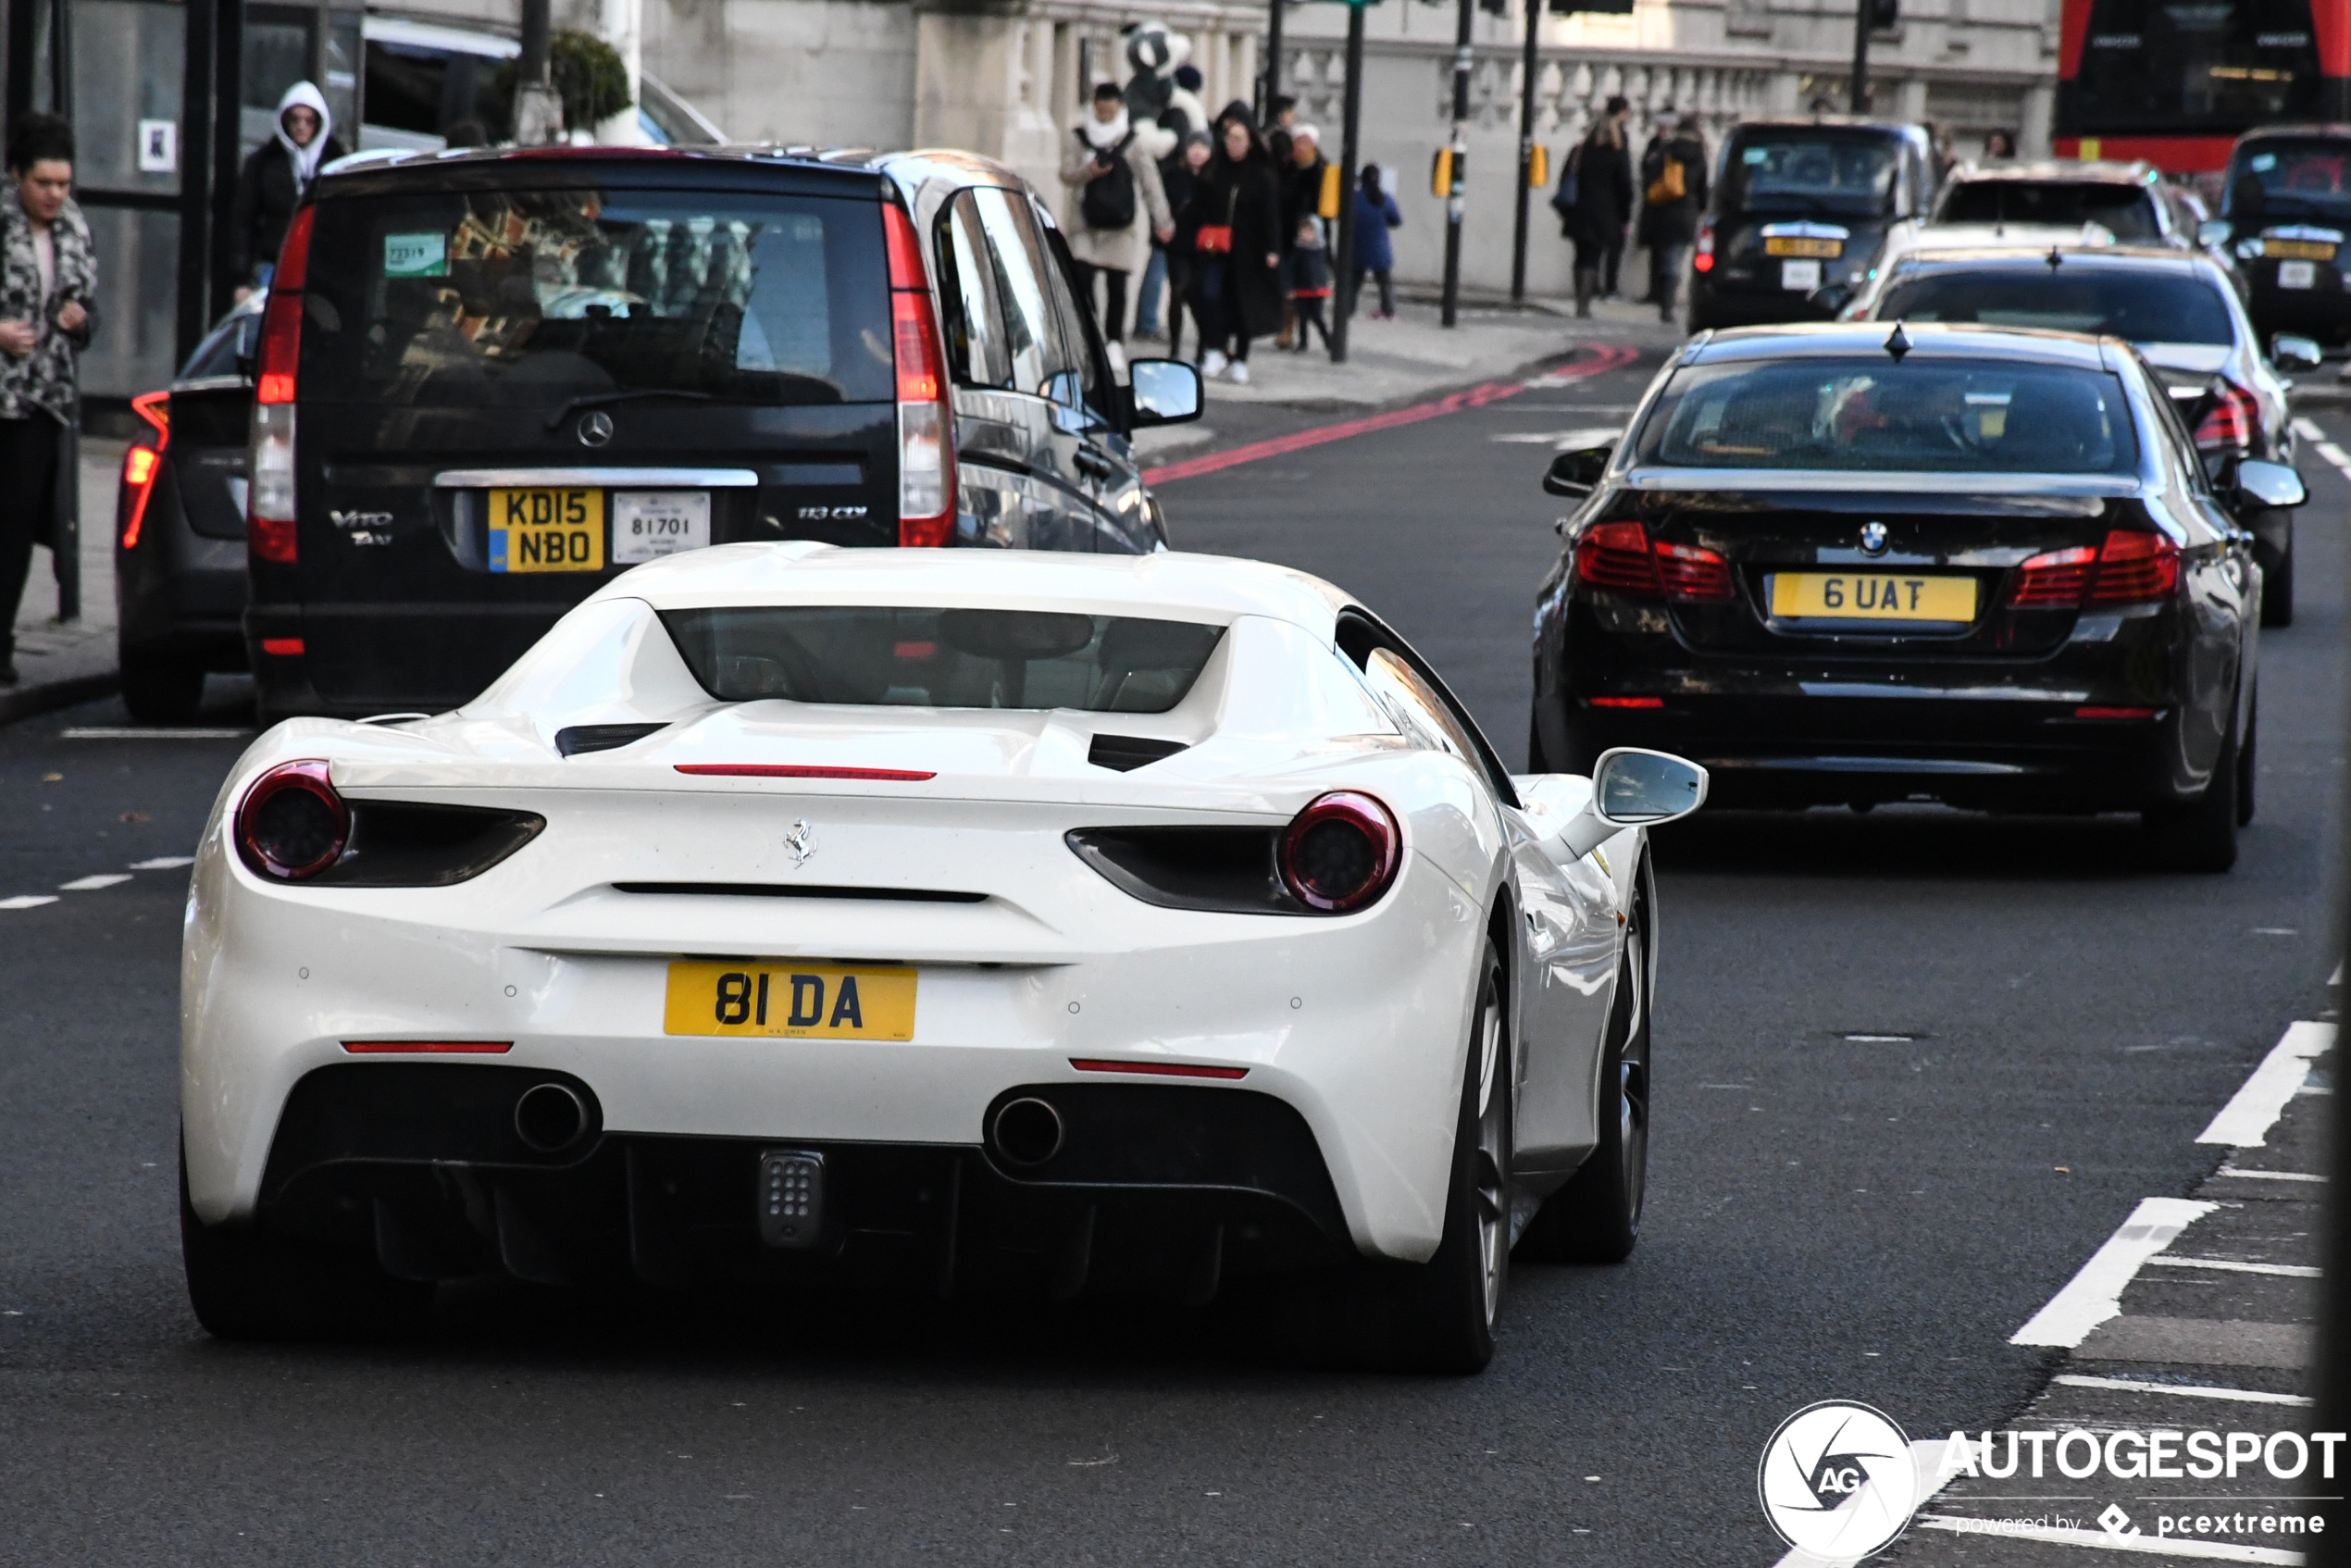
x: 1526, y: 152
x: 1459, y: 146
x: 539, y: 110
x: 1270, y: 83
x: 1350, y: 149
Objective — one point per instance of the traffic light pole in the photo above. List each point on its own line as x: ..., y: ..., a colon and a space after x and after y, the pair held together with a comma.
x: 1350, y: 149
x: 1273, y: 75
x: 1526, y: 152
x: 1863, y: 11
x: 1460, y: 147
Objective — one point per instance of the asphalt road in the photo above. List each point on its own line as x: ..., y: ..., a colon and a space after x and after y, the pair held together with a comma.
x: 1828, y: 1217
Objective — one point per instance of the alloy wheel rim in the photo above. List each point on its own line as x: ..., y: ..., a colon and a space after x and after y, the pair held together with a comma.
x: 1493, y: 1208
x: 1632, y: 1077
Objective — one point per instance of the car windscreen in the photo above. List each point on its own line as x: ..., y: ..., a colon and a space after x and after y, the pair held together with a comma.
x: 1878, y: 415
x: 2285, y: 181
x: 2143, y: 305
x: 531, y: 298
x: 1810, y: 171
x: 942, y: 658
x: 2125, y: 211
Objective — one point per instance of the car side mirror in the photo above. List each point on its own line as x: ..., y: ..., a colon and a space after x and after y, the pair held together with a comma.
x: 2213, y: 231
x: 1166, y: 391
x: 2290, y: 352
x: 1831, y: 298
x: 2270, y: 484
x: 1576, y: 474
x: 1632, y: 788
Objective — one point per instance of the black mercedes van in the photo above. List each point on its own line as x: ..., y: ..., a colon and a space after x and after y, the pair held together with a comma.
x: 489, y: 381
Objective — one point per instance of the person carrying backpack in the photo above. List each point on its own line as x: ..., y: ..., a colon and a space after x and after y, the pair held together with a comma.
x: 1672, y: 194
x: 1594, y: 219
x: 1114, y: 189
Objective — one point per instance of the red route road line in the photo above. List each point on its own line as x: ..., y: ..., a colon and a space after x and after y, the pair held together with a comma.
x: 1605, y: 358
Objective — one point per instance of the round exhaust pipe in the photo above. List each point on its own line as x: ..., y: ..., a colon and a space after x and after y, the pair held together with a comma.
x: 549, y: 1118
x: 1027, y: 1132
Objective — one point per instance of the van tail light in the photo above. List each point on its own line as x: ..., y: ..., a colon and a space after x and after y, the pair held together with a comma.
x: 925, y: 420
x: 292, y: 824
x: 1340, y: 852
x: 142, y: 464
x: 1703, y: 259
x: 1620, y: 558
x: 269, y: 512
x: 2129, y: 569
x: 2228, y: 424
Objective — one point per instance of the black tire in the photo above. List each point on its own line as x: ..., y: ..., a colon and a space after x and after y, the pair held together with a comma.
x: 2277, y: 585
x: 161, y: 685
x: 246, y: 1284
x: 1596, y: 1218
x: 2200, y: 835
x: 2246, y: 767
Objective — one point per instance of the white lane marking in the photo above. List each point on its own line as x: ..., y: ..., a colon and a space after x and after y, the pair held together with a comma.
x: 2167, y: 1546
x: 28, y: 901
x: 161, y: 732
x: 2229, y: 1265
x: 2190, y: 1391
x: 2337, y: 979
x: 164, y: 862
x: 92, y: 884
x: 2245, y: 1121
x: 2266, y: 1175
x: 2094, y: 1294
x: 2307, y: 428
x: 2334, y: 454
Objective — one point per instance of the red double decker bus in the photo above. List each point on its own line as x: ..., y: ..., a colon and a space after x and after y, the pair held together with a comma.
x: 2176, y: 81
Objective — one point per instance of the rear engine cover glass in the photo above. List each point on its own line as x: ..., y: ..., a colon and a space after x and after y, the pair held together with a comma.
x: 533, y: 298
x: 2140, y: 303
x: 934, y: 658
x: 1879, y: 415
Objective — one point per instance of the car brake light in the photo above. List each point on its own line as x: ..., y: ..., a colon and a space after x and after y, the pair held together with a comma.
x: 1628, y: 702
x: 2130, y: 567
x: 1340, y: 852
x: 1620, y: 558
x: 283, y: 647
x: 292, y: 824
x: 2130, y: 714
x: 1704, y: 257
x: 2229, y: 424
x: 925, y: 422
x: 270, y: 500
x: 140, y: 464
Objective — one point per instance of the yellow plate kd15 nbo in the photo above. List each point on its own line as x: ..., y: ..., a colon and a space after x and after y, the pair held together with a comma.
x: 801, y: 1001
x: 1872, y: 596
x: 546, y: 530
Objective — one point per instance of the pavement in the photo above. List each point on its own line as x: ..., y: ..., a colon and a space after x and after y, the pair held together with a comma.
x: 63, y: 662
x: 1916, y: 1074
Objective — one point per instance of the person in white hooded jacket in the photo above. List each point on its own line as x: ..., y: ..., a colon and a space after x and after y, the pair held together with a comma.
x: 275, y: 179
x: 1113, y: 173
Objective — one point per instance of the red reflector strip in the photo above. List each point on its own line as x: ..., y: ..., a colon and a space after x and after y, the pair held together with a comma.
x: 1157, y: 1069
x: 916, y: 651
x: 283, y: 647
x: 429, y: 1047
x: 1628, y: 702
x: 2114, y: 713
x: 771, y: 770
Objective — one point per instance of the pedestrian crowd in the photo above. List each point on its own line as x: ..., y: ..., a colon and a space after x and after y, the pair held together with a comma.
x: 1596, y: 203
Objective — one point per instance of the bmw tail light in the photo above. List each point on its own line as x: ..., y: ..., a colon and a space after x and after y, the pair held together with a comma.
x: 2135, y: 567
x: 1703, y: 260
x: 2228, y: 424
x: 140, y: 464
x: 925, y: 420
x: 1620, y: 558
x: 2054, y: 579
x: 291, y: 825
x: 1340, y: 852
x: 1689, y: 572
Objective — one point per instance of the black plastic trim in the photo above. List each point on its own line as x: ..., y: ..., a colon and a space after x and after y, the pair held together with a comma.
x: 1229, y: 870
x: 413, y: 844
x: 575, y: 738
x: 1127, y: 753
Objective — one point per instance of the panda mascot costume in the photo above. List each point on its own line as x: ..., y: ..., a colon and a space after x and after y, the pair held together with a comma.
x: 1156, y: 105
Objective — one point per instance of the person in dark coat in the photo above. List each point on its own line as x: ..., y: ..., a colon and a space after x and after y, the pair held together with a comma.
x: 1238, y: 246
x: 1375, y: 214
x: 274, y: 181
x: 1179, y: 175
x: 1603, y: 204
x: 1669, y: 222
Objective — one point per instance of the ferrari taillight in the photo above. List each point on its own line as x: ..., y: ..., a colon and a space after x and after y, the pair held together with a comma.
x: 1620, y: 558
x: 292, y: 824
x: 925, y: 418
x: 2230, y: 425
x: 1340, y: 852
x: 2131, y: 567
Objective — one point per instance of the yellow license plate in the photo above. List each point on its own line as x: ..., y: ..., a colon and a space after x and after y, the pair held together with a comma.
x: 546, y: 530
x: 1872, y: 596
x: 2297, y: 250
x: 798, y: 1000
x: 1827, y: 250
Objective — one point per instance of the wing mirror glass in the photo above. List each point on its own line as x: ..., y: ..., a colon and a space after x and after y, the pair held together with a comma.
x: 1575, y: 473
x: 2290, y: 352
x: 1632, y: 788
x: 2270, y: 484
x: 1166, y: 391
x: 2212, y: 232
x: 1830, y: 299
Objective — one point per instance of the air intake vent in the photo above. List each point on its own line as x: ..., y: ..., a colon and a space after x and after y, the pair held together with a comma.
x: 602, y: 737
x: 1126, y: 753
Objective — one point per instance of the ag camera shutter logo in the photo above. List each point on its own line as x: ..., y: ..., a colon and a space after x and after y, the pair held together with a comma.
x: 1838, y: 1481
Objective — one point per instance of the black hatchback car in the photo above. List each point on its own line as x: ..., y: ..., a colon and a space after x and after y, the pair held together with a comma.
x: 488, y: 383
x: 1850, y: 564
x: 2286, y: 210
x: 1802, y: 204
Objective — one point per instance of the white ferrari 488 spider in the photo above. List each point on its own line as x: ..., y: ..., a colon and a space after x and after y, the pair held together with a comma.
x: 970, y: 921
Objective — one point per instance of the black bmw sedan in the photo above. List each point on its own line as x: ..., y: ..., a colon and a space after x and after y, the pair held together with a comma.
x: 1851, y: 564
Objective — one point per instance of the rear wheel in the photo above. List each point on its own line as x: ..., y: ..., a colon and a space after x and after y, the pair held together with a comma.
x: 161, y: 685
x: 2277, y: 579
x: 246, y: 1284
x: 2201, y: 834
x: 1596, y: 1218
x: 2246, y: 754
